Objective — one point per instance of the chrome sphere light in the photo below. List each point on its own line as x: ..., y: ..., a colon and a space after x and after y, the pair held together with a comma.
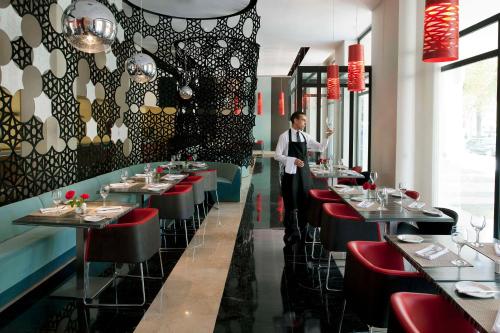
x: 89, y: 26
x: 141, y: 68
x: 186, y: 92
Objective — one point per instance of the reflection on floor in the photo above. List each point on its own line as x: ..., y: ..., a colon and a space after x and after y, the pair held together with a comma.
x: 275, y: 288
x: 39, y: 312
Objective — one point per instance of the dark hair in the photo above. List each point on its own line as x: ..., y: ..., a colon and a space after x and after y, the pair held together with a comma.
x: 296, y: 115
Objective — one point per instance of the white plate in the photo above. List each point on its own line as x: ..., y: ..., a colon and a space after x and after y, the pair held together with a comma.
x: 471, y: 285
x: 432, y: 211
x: 94, y: 218
x: 340, y: 186
x: 410, y: 238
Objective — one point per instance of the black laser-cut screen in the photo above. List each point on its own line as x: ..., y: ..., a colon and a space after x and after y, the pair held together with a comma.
x: 67, y: 116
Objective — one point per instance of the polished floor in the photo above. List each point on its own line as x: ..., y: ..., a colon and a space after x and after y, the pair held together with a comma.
x: 272, y: 287
x: 235, y: 276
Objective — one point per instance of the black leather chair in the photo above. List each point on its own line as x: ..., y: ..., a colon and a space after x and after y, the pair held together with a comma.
x: 430, y: 228
x: 133, y: 239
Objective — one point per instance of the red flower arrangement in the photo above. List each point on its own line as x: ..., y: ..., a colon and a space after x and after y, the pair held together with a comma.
x: 190, y: 158
x: 159, y: 169
x: 369, y: 186
x: 76, y: 201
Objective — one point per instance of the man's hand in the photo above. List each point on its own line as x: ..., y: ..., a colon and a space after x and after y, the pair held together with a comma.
x: 329, y: 131
x: 299, y: 163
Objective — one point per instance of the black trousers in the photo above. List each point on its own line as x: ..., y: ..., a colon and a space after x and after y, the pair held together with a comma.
x: 295, y: 193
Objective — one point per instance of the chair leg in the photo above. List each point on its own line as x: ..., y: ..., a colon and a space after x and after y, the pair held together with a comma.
x: 204, y: 209
x: 161, y: 264
x: 313, y: 243
x: 342, y: 316
x: 193, y: 222
x: 330, y: 255
x: 217, y: 198
x: 198, y: 212
x: 186, y: 232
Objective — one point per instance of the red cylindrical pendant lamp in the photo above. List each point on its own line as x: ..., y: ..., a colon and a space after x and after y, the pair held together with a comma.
x: 440, y: 31
x: 332, y: 82
x: 259, y: 103
x: 237, y: 109
x: 356, y: 68
x: 281, y: 104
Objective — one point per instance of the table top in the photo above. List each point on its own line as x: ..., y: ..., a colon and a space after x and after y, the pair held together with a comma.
x: 72, y: 219
x: 394, y: 212
x: 480, y: 312
x: 185, y: 166
x: 335, y: 173
x: 139, y: 188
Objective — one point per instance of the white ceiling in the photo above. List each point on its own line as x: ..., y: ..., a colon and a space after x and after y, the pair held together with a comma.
x: 193, y: 8
x: 287, y: 25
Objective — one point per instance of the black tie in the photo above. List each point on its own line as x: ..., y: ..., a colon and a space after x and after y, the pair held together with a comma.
x: 298, y: 137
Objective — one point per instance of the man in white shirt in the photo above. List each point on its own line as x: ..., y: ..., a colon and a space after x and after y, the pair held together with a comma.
x: 291, y: 152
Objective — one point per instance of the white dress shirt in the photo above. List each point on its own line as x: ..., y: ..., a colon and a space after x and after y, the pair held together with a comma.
x: 287, y: 163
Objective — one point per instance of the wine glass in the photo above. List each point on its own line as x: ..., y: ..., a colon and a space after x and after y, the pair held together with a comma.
x: 381, y: 199
x: 373, y: 176
x: 104, y: 191
x: 195, y: 156
x: 124, y: 176
x: 147, y: 168
x: 57, y: 198
x: 402, y: 190
x: 459, y: 238
x: 179, y: 156
x: 478, y: 225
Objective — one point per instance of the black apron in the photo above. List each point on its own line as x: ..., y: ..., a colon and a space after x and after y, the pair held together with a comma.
x: 295, y: 188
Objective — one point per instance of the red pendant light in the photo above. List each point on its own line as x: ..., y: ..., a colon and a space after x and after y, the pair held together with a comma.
x: 237, y: 109
x: 356, y: 68
x: 281, y: 103
x: 259, y: 103
x: 440, y: 31
x: 332, y: 82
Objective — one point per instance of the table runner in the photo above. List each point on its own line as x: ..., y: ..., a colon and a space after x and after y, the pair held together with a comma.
x: 483, y: 311
x: 372, y: 208
x: 67, y: 210
x: 488, y: 250
x: 442, y: 261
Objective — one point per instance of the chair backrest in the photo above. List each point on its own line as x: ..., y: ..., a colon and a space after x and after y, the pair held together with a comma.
x: 412, y: 194
x: 439, y: 228
x: 175, y: 205
x: 209, y: 179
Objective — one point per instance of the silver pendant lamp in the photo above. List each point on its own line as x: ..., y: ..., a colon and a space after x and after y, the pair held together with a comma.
x: 89, y: 26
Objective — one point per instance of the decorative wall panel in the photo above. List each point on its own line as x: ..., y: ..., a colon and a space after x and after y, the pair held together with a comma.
x: 67, y: 116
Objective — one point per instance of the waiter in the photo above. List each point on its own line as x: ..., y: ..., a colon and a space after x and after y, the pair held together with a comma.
x: 291, y: 152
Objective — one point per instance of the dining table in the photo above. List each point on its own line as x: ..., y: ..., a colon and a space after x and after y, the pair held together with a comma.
x: 97, y: 216
x: 480, y: 268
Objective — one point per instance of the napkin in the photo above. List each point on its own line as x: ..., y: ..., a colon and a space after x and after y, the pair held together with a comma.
x: 496, y: 325
x: 119, y: 185
x: 365, y: 204
x: 156, y: 186
x: 346, y: 190
x: 53, y: 210
x: 175, y: 176
x: 109, y: 209
x: 473, y: 287
x: 140, y: 175
x: 432, y: 252
x: 416, y: 205
x: 290, y: 166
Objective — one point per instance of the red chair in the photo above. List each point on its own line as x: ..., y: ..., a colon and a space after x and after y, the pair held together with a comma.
x: 198, y: 192
x: 133, y: 239
x: 415, y: 313
x: 340, y: 224
x: 316, y: 200
x: 373, y: 272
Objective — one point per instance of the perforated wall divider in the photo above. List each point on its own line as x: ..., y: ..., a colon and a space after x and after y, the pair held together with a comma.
x: 67, y: 116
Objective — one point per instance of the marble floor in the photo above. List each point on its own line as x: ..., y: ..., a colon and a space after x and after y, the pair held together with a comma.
x: 236, y: 275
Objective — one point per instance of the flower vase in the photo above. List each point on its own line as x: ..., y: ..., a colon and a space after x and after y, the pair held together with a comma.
x: 370, y: 194
x: 82, y: 209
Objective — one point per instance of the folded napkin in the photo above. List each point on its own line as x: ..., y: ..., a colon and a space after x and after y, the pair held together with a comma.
x: 496, y: 324
x: 365, y: 204
x: 199, y: 164
x: 109, y: 209
x: 53, y: 210
x: 432, y: 252
x: 416, y: 205
x: 290, y: 166
x: 175, y: 176
x: 473, y: 287
x: 120, y: 185
x: 141, y: 175
x: 156, y: 186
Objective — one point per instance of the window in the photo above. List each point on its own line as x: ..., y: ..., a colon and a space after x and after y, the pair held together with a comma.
x: 467, y: 128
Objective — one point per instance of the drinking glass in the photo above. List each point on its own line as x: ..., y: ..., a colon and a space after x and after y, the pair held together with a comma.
x: 381, y: 199
x: 477, y: 224
x: 172, y: 158
x: 104, y: 191
x: 57, y: 197
x: 179, y: 156
x: 459, y: 238
x: 124, y: 176
x: 195, y: 156
x: 373, y: 176
x: 147, y: 168
x: 402, y: 190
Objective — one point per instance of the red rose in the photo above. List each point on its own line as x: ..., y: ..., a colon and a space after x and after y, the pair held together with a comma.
x: 70, y: 194
x: 159, y: 170
x: 366, y: 186
x: 190, y: 158
x: 84, y: 196
x: 373, y: 186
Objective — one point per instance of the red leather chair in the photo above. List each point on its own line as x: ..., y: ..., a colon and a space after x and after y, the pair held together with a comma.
x: 340, y: 223
x: 373, y: 272
x: 415, y: 313
x: 316, y: 200
x: 198, y: 192
x: 133, y: 239
x: 175, y: 204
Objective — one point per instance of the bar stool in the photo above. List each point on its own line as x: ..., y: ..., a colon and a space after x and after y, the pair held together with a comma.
x: 198, y: 192
x: 373, y: 272
x: 316, y: 200
x: 414, y: 313
x: 341, y: 224
x: 177, y: 203
x: 133, y: 239
x: 210, y: 181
